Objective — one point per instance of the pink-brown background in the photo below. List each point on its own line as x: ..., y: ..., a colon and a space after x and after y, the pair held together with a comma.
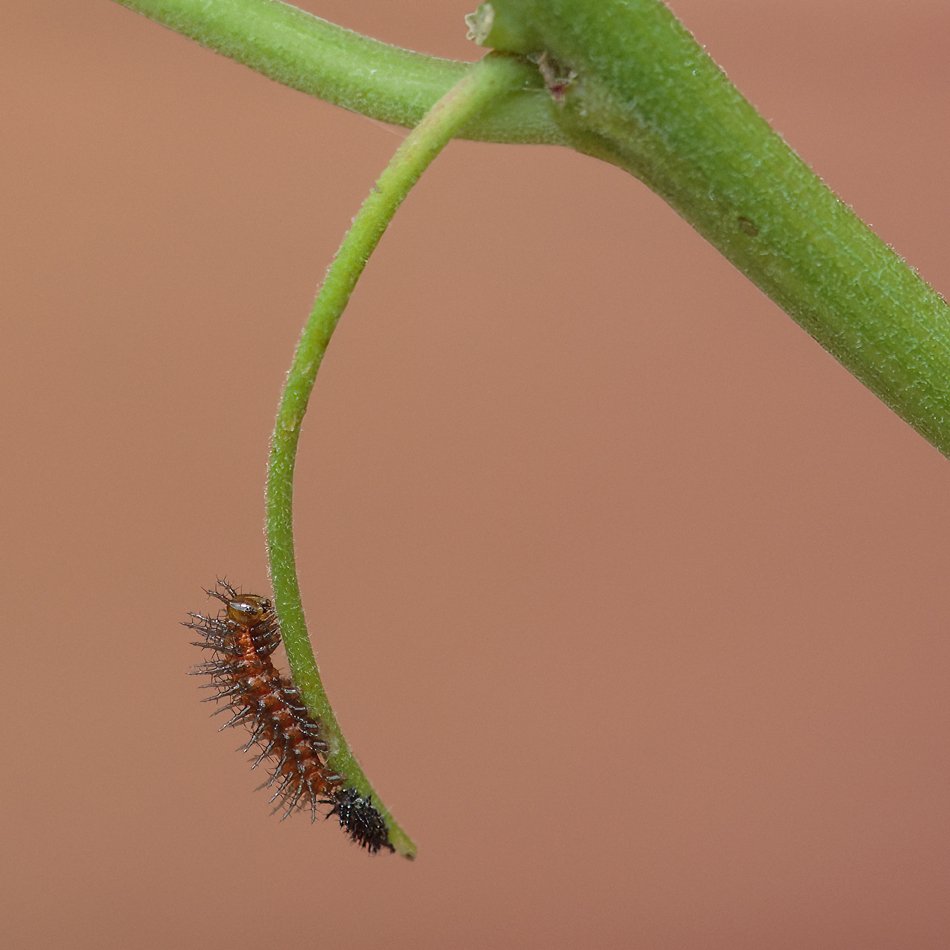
x: 631, y: 600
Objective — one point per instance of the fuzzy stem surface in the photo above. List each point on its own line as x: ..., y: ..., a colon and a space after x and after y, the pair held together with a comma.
x: 642, y: 94
x: 484, y: 83
x: 340, y: 66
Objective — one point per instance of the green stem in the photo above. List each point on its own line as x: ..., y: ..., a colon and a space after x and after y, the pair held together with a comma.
x: 647, y: 98
x: 482, y: 85
x: 644, y: 96
x: 340, y: 66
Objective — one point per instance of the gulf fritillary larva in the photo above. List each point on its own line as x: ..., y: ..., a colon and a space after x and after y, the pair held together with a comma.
x: 242, y: 638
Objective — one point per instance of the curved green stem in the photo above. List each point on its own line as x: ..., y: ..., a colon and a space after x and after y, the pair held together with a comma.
x: 643, y: 95
x: 484, y: 83
x: 353, y: 71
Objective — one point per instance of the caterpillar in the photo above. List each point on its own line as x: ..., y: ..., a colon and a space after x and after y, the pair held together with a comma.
x: 287, y: 738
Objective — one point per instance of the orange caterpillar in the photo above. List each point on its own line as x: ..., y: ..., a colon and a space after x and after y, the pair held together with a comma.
x: 242, y: 638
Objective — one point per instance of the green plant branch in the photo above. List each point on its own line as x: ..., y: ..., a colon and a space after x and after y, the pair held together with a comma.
x: 629, y: 85
x: 644, y: 96
x: 482, y: 85
x: 348, y: 69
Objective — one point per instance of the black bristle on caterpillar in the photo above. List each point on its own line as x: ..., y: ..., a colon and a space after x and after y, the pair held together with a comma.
x: 359, y: 816
x: 242, y: 638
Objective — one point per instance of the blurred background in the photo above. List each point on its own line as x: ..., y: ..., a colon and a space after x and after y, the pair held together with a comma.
x: 631, y: 601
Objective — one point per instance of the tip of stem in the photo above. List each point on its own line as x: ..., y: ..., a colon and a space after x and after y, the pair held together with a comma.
x: 402, y: 843
x: 480, y: 22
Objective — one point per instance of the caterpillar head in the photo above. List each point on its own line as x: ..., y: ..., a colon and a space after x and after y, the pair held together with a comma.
x: 248, y: 610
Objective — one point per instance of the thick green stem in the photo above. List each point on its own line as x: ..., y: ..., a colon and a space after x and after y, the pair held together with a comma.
x: 347, y: 69
x: 632, y: 87
x: 484, y: 84
x: 643, y: 95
